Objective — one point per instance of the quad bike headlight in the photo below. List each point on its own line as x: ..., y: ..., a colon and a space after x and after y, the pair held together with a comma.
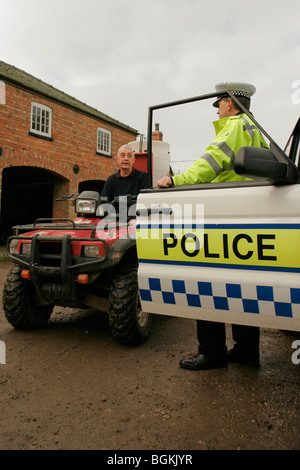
x: 85, y: 206
x: 26, y: 248
x: 86, y: 203
x: 91, y: 251
x: 13, y: 247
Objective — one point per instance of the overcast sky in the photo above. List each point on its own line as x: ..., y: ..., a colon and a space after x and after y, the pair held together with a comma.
x: 122, y: 56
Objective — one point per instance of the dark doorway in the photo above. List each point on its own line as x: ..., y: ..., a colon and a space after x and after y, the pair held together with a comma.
x: 91, y: 185
x: 27, y: 194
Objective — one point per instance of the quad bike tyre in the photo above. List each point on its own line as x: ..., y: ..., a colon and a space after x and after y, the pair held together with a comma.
x: 19, y: 305
x: 129, y: 324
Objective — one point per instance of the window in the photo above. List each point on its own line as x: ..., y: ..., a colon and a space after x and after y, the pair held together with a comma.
x: 41, y: 120
x: 104, y: 141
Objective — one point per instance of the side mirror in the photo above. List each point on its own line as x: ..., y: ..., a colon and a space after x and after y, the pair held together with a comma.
x: 255, y: 162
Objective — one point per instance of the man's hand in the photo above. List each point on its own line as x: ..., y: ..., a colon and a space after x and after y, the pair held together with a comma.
x: 164, y: 182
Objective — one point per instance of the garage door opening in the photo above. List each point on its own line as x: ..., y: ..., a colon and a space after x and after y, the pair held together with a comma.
x: 27, y: 194
x: 91, y: 185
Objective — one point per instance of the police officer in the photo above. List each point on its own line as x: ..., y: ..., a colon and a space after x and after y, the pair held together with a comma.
x: 234, y: 130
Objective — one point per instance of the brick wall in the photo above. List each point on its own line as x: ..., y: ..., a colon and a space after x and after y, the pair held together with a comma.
x: 74, y: 142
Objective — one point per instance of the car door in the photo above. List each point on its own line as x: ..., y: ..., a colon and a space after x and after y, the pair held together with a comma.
x: 226, y: 252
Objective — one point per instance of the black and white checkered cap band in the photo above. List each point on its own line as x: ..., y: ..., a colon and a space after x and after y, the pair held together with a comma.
x: 241, y: 93
x: 239, y: 89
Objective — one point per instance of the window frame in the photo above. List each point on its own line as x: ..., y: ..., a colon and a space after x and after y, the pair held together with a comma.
x: 43, y: 109
x: 102, y: 149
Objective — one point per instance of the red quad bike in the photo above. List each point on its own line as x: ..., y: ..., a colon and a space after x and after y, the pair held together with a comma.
x: 90, y: 262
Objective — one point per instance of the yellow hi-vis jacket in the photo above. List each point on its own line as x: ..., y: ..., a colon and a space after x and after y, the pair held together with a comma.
x: 216, y: 165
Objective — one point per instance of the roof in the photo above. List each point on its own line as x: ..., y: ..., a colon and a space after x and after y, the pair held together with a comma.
x: 18, y: 77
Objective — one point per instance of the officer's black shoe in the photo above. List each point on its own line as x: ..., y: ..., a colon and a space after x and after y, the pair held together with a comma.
x: 201, y: 362
x: 246, y: 358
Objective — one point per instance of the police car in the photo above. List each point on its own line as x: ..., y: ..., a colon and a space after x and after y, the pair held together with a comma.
x: 227, y: 252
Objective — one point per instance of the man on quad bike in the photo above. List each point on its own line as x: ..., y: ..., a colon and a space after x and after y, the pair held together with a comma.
x: 89, y: 262
x: 127, y: 180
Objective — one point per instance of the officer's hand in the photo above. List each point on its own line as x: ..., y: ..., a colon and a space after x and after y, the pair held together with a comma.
x: 164, y: 182
x: 132, y: 223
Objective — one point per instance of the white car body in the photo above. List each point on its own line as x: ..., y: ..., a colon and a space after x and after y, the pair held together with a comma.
x: 226, y: 252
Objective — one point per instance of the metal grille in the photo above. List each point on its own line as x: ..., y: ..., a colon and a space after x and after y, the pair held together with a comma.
x: 50, y: 253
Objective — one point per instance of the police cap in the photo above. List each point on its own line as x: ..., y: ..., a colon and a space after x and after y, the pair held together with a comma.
x: 239, y: 89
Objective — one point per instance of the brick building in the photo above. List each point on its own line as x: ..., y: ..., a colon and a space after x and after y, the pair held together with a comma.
x: 51, y: 145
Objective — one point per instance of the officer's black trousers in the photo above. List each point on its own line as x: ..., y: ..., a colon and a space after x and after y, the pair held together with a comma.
x: 212, y: 338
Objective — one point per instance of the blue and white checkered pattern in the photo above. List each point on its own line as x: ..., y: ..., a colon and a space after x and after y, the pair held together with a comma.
x: 266, y: 300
